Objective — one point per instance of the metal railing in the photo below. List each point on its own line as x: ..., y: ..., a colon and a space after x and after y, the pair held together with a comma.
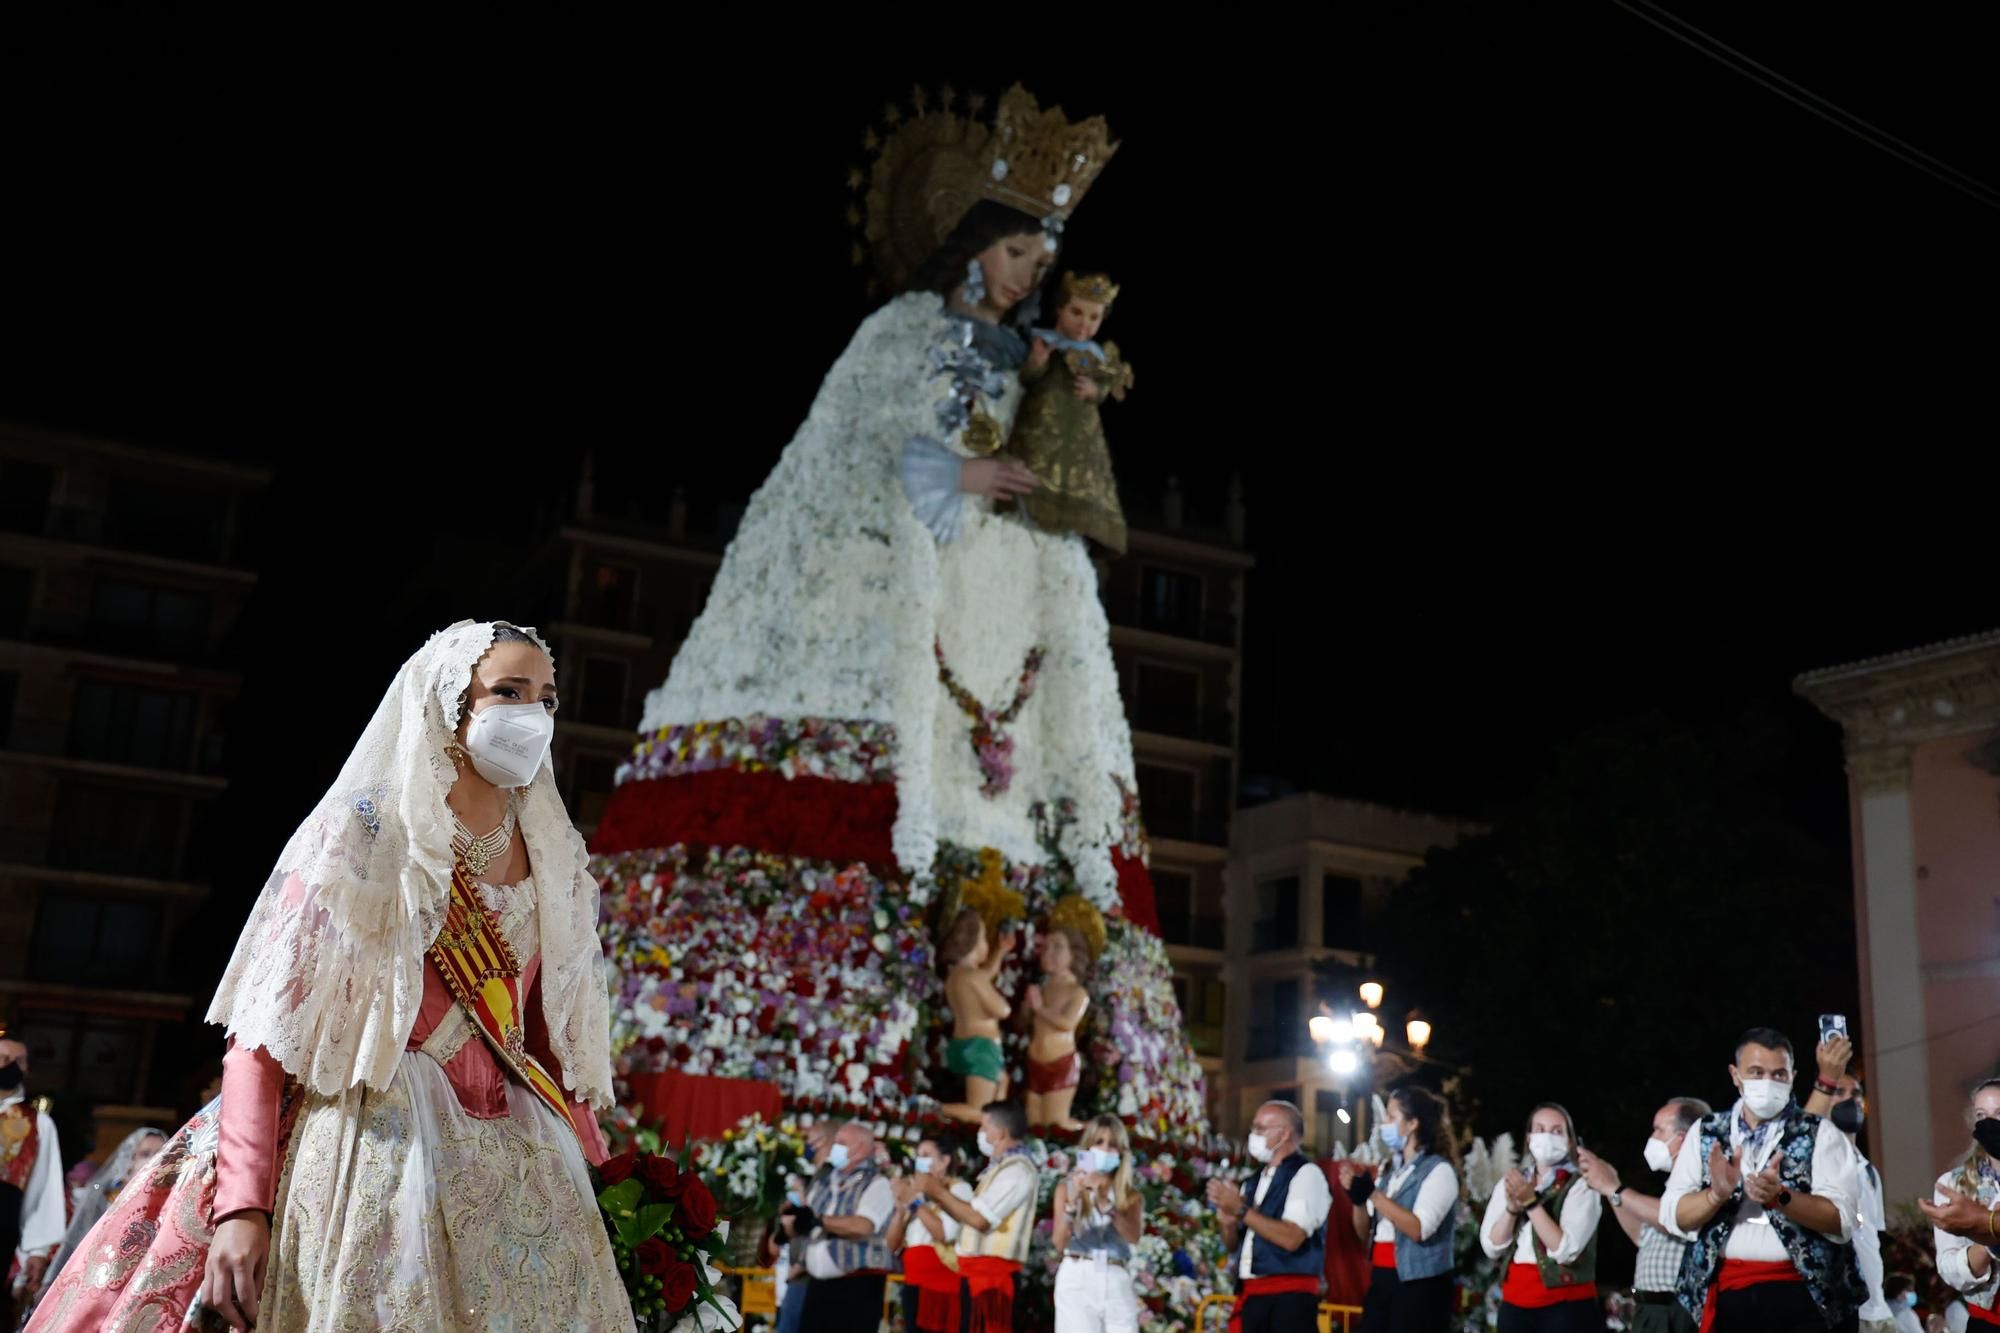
x: 1331, y: 1316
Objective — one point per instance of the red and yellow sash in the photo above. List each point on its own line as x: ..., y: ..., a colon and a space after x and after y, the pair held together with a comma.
x: 484, y: 975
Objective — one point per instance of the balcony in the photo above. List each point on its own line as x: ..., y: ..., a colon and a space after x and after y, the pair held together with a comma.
x: 1133, y: 612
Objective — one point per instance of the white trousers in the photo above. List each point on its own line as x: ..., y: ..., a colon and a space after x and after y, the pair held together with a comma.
x: 1088, y: 1301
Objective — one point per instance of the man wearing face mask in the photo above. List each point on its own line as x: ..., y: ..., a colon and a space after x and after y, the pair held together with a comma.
x: 32, y: 1216
x: 1766, y: 1192
x: 1658, y: 1270
x: 848, y: 1258
x: 999, y: 1223
x: 1282, y: 1227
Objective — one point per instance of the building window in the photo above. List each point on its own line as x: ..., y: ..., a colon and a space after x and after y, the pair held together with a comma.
x: 94, y: 941
x: 127, y: 724
x: 25, y: 491
x: 1340, y: 911
x: 90, y: 1058
x: 1276, y: 925
x: 135, y: 618
x: 591, y: 780
x: 182, y: 521
x: 1167, y: 798
x: 116, y: 831
x: 1173, y: 895
x: 604, y: 681
x: 1167, y: 699
x: 17, y: 591
x: 1275, y: 1026
x: 610, y: 595
x: 1171, y: 601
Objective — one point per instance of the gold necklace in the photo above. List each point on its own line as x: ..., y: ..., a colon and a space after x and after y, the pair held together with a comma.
x: 482, y: 850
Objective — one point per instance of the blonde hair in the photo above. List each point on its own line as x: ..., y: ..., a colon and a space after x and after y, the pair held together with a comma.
x: 1123, y: 1186
x: 1968, y: 1171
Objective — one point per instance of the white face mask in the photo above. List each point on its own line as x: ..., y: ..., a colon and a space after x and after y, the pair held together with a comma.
x: 926, y: 1164
x: 1765, y: 1097
x: 507, y: 742
x: 1260, y: 1148
x: 985, y: 1145
x: 1548, y: 1149
x: 836, y: 1157
x: 1101, y: 1160
x: 1658, y: 1155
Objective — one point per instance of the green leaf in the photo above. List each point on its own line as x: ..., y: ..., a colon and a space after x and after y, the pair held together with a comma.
x: 645, y: 1223
x: 620, y: 1199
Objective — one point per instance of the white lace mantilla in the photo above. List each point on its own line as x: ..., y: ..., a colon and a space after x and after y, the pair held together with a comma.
x: 328, y: 974
x: 833, y: 593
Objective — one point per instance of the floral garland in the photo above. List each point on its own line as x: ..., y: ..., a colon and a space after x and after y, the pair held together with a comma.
x: 990, y: 741
x: 845, y: 750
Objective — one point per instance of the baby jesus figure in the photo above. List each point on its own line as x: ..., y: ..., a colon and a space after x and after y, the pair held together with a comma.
x: 1058, y: 434
x: 1058, y: 1006
x: 977, y: 1008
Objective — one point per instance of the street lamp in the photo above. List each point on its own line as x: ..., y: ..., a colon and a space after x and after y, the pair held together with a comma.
x: 1419, y: 1033
x: 1366, y: 1025
x: 1321, y: 1027
x: 1371, y: 994
x: 1343, y: 1060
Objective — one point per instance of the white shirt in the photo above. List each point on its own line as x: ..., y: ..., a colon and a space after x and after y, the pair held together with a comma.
x: 916, y: 1234
x: 1954, y: 1254
x: 877, y: 1203
x: 1307, y: 1203
x: 1907, y: 1322
x: 43, y: 1220
x: 1437, y: 1199
x: 1582, y: 1208
x: 1753, y: 1239
x: 1005, y: 1192
x: 1869, y: 1223
x: 1955, y: 1317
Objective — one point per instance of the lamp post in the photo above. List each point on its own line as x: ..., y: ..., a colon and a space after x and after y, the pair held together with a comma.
x: 1418, y: 1030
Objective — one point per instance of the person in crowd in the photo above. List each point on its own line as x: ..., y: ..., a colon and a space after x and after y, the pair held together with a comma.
x: 32, y: 1215
x: 998, y: 1225
x: 1970, y: 1263
x: 789, y: 1262
x: 1543, y: 1226
x: 1412, y: 1288
x: 1838, y: 1096
x: 846, y: 1220
x: 1099, y: 1215
x: 1657, y: 1274
x: 1281, y: 1227
x: 1765, y: 1191
x: 1900, y: 1290
x: 934, y: 1295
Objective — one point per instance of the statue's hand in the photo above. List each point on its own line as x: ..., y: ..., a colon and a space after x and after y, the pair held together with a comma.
x: 995, y: 478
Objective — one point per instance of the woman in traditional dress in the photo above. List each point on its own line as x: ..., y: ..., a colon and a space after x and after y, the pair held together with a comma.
x: 418, y: 1032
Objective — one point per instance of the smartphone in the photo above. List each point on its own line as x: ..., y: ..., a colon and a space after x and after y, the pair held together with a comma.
x: 1831, y: 1026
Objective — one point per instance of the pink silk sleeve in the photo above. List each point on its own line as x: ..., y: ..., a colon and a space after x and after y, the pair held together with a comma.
x: 246, y: 1153
x: 588, y: 1134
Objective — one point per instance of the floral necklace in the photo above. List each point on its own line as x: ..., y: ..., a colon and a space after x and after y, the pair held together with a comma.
x: 993, y: 747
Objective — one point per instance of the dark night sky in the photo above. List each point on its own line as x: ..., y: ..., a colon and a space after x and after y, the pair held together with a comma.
x: 1570, y: 374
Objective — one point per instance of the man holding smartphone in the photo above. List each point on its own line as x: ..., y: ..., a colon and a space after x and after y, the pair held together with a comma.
x: 1837, y: 1095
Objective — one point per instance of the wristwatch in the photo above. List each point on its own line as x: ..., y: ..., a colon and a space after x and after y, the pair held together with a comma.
x: 1784, y: 1198
x: 1617, y: 1197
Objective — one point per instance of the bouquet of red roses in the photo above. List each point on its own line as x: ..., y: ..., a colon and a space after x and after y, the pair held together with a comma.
x: 663, y: 1228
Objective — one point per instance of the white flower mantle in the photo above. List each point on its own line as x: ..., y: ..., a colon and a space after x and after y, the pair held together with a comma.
x: 831, y: 596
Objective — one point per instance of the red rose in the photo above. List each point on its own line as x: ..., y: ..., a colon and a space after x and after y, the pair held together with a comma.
x: 653, y: 1257
x: 696, y: 1213
x: 683, y: 1053
x: 615, y: 1169
x: 677, y: 1286
x: 659, y: 1174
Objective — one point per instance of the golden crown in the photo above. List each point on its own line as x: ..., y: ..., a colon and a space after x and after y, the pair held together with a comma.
x: 932, y: 166
x: 1093, y: 287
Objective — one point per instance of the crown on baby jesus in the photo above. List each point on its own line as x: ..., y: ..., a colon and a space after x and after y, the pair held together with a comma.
x: 1092, y: 287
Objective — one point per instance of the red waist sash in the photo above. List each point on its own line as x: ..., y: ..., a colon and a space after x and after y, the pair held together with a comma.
x: 991, y: 1282
x: 1737, y: 1274
x: 1268, y: 1286
x: 1525, y: 1290
x: 937, y: 1289
x: 1384, y: 1254
x: 1979, y: 1314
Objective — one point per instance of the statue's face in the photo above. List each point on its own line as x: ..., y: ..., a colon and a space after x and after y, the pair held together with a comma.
x: 1014, y: 266
x: 1055, y: 952
x: 1080, y: 319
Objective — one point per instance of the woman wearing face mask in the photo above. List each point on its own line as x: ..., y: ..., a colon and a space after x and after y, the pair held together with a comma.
x: 1099, y: 1215
x: 1411, y: 1288
x: 1544, y: 1227
x: 415, y: 1010
x: 1972, y: 1267
x: 934, y: 1295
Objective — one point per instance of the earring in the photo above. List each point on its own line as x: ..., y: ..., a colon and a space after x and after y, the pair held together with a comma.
x: 975, y: 283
